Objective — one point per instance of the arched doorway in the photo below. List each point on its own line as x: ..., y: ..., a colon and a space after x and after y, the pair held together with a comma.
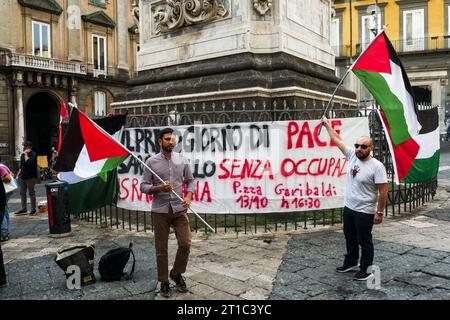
x: 42, y: 119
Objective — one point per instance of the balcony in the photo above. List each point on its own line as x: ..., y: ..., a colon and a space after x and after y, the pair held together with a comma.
x: 428, y: 44
x: 9, y: 59
x: 111, y: 73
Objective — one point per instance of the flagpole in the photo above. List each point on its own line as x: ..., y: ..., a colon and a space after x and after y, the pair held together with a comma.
x: 343, y: 78
x: 173, y: 191
x: 153, y: 172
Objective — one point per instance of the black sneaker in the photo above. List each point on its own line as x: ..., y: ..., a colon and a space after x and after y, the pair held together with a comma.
x: 179, y: 280
x: 33, y: 212
x: 3, y: 283
x: 346, y: 268
x: 165, y: 289
x: 4, y: 238
x: 21, y: 211
x: 362, y: 276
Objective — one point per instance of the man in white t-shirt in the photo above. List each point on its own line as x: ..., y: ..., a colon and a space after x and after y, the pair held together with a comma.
x: 365, y: 200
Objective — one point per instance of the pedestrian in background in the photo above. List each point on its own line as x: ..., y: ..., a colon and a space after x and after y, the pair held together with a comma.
x: 3, y: 282
x: 168, y: 210
x: 27, y: 177
x: 365, y: 200
x: 6, y: 176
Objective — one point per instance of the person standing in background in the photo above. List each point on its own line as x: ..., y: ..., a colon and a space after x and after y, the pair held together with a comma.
x: 6, y: 176
x: 27, y: 177
x: 3, y: 282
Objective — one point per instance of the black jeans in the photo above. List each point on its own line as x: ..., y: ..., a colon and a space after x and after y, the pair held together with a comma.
x: 2, y: 266
x: 358, y: 232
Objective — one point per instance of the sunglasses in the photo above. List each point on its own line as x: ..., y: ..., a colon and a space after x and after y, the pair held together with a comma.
x: 363, y: 146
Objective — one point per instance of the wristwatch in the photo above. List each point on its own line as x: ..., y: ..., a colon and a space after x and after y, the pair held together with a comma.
x: 380, y: 213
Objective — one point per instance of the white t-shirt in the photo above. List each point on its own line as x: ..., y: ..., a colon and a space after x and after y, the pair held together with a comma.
x: 362, y: 179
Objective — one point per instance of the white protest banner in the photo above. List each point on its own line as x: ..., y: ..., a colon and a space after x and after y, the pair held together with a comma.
x: 250, y: 167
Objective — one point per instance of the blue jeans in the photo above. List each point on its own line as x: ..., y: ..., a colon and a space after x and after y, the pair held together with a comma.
x: 5, y: 223
x: 358, y: 232
x: 2, y: 266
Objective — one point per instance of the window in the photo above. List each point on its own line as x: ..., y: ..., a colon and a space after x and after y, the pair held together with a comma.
x: 413, y: 30
x: 41, y: 39
x: 99, y: 55
x: 137, y: 48
x: 99, y: 103
x: 368, y: 23
x: 100, y: 3
x: 334, y: 37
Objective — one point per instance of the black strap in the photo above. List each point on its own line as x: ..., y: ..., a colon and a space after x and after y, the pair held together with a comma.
x: 130, y: 275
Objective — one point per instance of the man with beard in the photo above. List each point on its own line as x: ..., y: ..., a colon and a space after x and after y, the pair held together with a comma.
x: 167, y: 210
x: 365, y: 200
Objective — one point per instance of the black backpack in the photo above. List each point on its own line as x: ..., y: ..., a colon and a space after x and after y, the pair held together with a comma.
x: 113, y: 262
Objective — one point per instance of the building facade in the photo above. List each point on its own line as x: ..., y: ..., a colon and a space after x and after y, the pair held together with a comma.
x: 419, y: 31
x: 80, y: 52
x: 233, y: 56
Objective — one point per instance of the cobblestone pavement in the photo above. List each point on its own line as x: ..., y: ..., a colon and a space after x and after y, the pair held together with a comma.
x: 412, y: 251
x: 33, y: 274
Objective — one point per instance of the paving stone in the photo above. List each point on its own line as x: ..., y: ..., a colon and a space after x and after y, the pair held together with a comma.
x: 261, y: 281
x: 288, y: 293
x: 287, y: 278
x: 423, y: 280
x: 327, y: 296
x: 222, y: 283
x: 311, y: 287
x: 255, y: 294
x: 446, y: 260
x: 221, y: 295
x: 402, y: 265
x: 438, y: 269
x: 435, y: 294
x: 389, y: 291
x: 392, y: 247
x: 430, y: 253
x: 290, y: 266
x: 202, y: 290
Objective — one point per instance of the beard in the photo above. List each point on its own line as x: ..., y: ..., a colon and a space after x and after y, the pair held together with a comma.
x: 167, y: 148
x: 362, y: 156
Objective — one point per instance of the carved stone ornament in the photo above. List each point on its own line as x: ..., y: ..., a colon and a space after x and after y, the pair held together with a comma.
x: 262, y: 6
x: 175, y: 14
x: 135, y: 14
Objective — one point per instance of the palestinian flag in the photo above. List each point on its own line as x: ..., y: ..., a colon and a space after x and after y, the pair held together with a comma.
x: 417, y: 159
x: 88, y: 160
x: 381, y: 71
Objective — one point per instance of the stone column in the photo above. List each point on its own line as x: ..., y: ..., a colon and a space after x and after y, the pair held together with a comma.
x: 19, y: 120
x: 74, y: 29
x: 122, y: 37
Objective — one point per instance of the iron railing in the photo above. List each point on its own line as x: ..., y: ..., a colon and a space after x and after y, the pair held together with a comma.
x: 401, y: 199
x: 41, y: 63
x: 436, y: 43
x: 109, y: 73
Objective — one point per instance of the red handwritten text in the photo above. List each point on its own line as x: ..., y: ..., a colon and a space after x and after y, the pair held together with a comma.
x: 248, y: 168
x: 238, y: 188
x: 296, y: 135
x: 313, y: 167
